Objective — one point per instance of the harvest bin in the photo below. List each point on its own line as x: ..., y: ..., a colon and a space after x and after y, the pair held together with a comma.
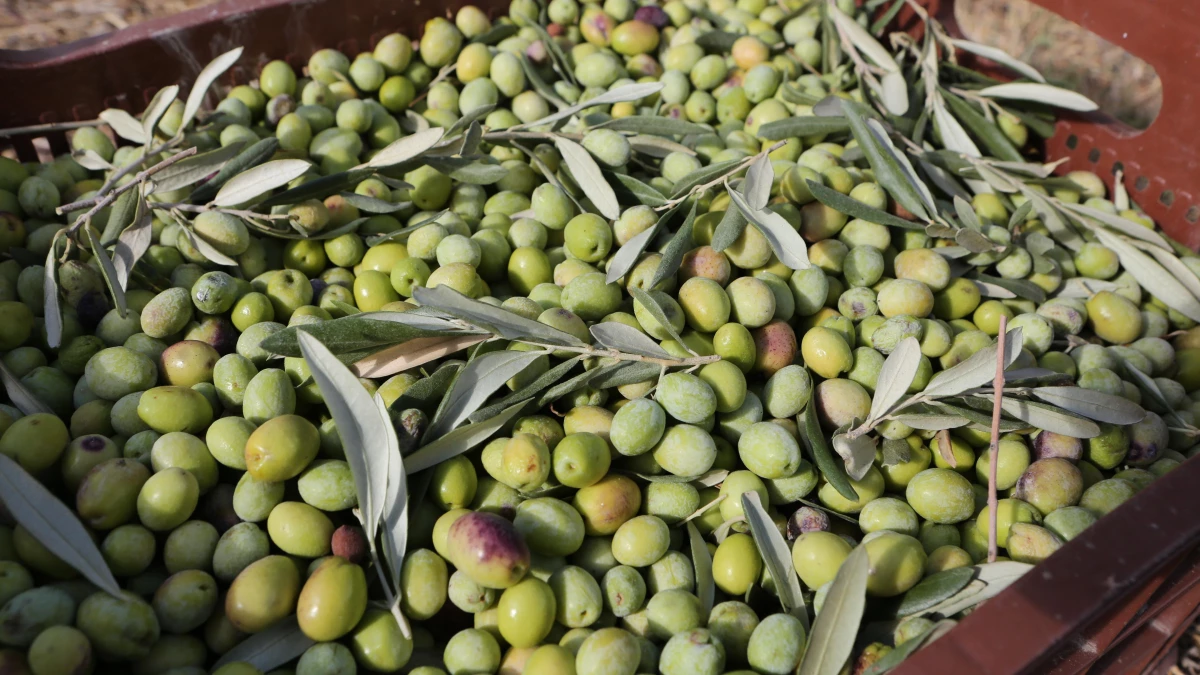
x: 1113, y: 600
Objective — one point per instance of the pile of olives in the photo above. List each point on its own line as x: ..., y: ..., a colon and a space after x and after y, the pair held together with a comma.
x: 214, y: 481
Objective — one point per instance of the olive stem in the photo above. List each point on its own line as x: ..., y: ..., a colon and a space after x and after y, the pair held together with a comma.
x: 50, y: 128
x: 994, y: 455
x: 100, y: 201
x: 129, y: 168
x: 671, y: 203
x: 626, y: 356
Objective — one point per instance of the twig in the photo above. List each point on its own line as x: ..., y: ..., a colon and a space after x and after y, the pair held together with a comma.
x: 128, y: 169
x: 625, y: 356
x: 994, y: 457
x: 49, y: 128
x: 100, y: 201
x: 531, y: 135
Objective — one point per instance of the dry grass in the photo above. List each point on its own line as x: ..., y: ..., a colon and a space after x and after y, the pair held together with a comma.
x: 27, y: 24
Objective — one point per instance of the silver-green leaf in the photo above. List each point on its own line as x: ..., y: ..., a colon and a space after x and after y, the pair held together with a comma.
x: 836, y: 628
x: 162, y: 100
x: 51, y: 309
x: 785, y: 241
x: 706, y: 589
x: 1041, y: 93
x: 1151, y: 276
x: 1093, y: 404
x: 977, y: 370
x: 757, y: 186
x: 367, y: 436
x: 623, y: 338
x: 204, y: 80
x: 479, y: 380
x: 999, y: 56
x: 460, y: 440
x: 269, y: 649
x: 19, y: 395
x: 857, y: 452
x: 895, y: 377
x: 587, y: 174
x: 776, y: 556
x: 53, y: 524
x: 124, y: 125
x: 1050, y: 418
x: 406, y: 148
x: 260, y: 180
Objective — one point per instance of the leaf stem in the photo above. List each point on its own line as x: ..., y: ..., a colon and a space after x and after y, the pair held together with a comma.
x: 994, y: 456
x: 49, y: 128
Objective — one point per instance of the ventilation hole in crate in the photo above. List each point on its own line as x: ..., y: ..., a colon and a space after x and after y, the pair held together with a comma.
x: 1141, y: 183
x: 1192, y: 215
x: 1072, y: 142
x: 1094, y: 155
x: 1123, y: 85
x: 1167, y: 197
x: 1118, y: 166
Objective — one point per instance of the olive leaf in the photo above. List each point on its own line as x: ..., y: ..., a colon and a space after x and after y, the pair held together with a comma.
x: 1041, y: 93
x: 413, y: 353
x: 934, y: 589
x: 858, y: 452
x: 757, y: 186
x: 460, y: 440
x: 895, y: 378
x: 630, y: 190
x: 1049, y: 418
x: 808, y: 125
x: 124, y: 125
x: 107, y: 270
x: 895, y: 451
x: 91, y: 160
x: 317, y: 188
x: 1062, y: 231
x: 121, y: 215
x: 133, y: 242
x: 930, y: 421
x: 479, y: 380
x: 494, y: 319
x: 836, y: 628
x: 1016, y: 288
x: 856, y: 209
x: 51, y: 311
x: 192, y: 170
x: 1093, y: 404
x: 661, y: 126
x: 629, y: 253
x: 776, y: 556
x: 1175, y: 266
x: 706, y: 589
x: 622, y: 94
x: 367, y: 434
x: 204, y: 80
x: 249, y: 158
x: 163, y: 98
x: 888, y: 171
x: 655, y: 146
x: 260, y: 180
x: 984, y: 129
x: 990, y: 580
x: 672, y: 255
x: 405, y: 148
x: 621, y: 337
x: 902, y: 651
x: 425, y: 393
x: 814, y: 441
x: 954, y: 136
x: 371, y: 204
x: 1151, y: 276
x: 895, y: 96
x: 651, y: 305
x: 1123, y: 225
x: 269, y: 649
x: 977, y: 370
x: 19, y: 395
x: 785, y: 241
x: 206, y: 249
x: 545, y: 380
x: 53, y: 524
x: 732, y: 224
x: 999, y: 56
x: 587, y: 174
x: 395, y: 517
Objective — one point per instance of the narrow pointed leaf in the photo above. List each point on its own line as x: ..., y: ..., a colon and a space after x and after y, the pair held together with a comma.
x: 90, y: 160
x: 630, y: 190
x: 260, y: 180
x: 732, y: 224
x: 1050, y: 418
x: 460, y: 440
x: 107, y: 270
x: 999, y: 56
x: 888, y: 172
x: 704, y: 174
x: 953, y: 136
x: 1041, y: 93
x: 629, y: 92
x: 395, y: 514
x: 776, y: 556
x: 1092, y: 404
x: 162, y: 100
x: 587, y: 174
x: 124, y: 125
x: 193, y: 169
x: 651, y: 305
x: 814, y: 440
x: 51, y: 310
x: 934, y: 589
x: 977, y: 370
x: 19, y: 395
x: 856, y: 209
x: 672, y: 255
x: 269, y: 649
x: 1152, y: 277
x: 204, y: 80
x: 543, y: 382
x: 53, y: 524
x: 415, y: 352
x: 702, y: 562
x: 133, y: 243
x: 629, y: 253
x: 895, y: 377
x: 245, y: 160
x: 661, y: 126
x: 864, y: 42
x: 836, y: 628
x: 757, y: 187
x: 785, y: 241
x: 858, y: 453
x: 479, y: 380
x: 499, y: 321
x: 807, y: 125
x: 406, y: 148
x: 627, y: 339
x: 367, y: 436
